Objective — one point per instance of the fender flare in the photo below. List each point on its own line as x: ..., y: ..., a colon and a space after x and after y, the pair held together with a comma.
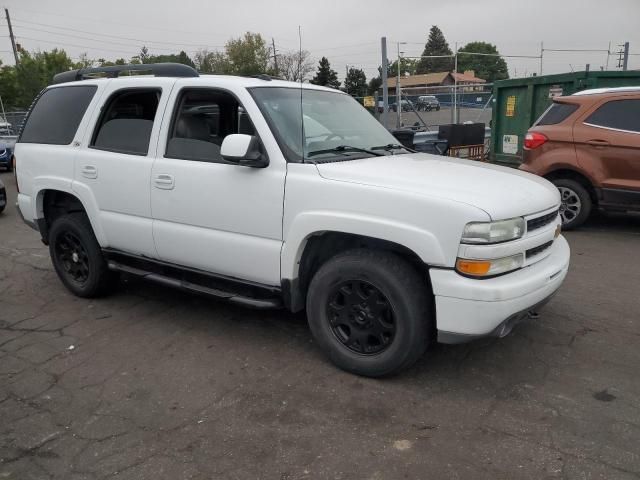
x: 86, y: 199
x: 307, y: 224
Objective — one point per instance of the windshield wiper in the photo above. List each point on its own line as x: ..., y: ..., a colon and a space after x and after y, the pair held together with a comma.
x: 344, y: 148
x: 389, y: 147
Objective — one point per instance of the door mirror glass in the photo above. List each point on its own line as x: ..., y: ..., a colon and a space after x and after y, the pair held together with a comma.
x: 243, y: 150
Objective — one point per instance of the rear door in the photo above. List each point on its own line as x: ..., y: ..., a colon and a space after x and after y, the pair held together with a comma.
x: 608, y: 144
x: 113, y: 167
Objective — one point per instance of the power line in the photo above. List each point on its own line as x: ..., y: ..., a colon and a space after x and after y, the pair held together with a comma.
x: 102, y: 21
x: 143, y: 41
x: 75, y: 45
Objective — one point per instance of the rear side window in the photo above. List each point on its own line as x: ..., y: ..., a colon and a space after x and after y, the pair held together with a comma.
x: 556, y: 113
x: 126, y: 122
x: 56, y: 115
x: 618, y: 114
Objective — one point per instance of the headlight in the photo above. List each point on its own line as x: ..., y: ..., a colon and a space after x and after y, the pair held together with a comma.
x: 489, y: 268
x: 493, y: 232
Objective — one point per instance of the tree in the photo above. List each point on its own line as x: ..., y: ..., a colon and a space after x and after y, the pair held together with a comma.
x: 436, y: 45
x: 36, y: 71
x: 356, y: 83
x: 485, y: 67
x: 143, y: 56
x: 325, y: 76
x: 247, y: 55
x: 408, y: 66
x: 212, y: 62
x: 375, y: 83
x: 294, y: 66
x: 181, y: 57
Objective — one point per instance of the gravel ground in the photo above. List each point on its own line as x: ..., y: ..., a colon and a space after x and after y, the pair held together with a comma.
x: 151, y: 383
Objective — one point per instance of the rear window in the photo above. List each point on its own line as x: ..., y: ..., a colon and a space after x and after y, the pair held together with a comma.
x: 56, y: 115
x: 618, y: 114
x: 556, y: 113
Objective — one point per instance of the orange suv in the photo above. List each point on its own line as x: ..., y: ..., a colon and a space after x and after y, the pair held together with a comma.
x: 588, y: 145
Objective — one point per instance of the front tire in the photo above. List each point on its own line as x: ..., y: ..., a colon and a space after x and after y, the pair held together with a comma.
x: 370, y: 312
x: 576, y: 203
x: 77, y: 258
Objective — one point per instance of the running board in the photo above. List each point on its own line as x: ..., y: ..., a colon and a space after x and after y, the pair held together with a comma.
x: 259, y: 303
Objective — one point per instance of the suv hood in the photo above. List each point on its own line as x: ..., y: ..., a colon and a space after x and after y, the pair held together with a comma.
x: 502, y: 192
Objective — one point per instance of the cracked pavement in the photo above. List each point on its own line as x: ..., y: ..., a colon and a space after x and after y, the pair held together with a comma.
x: 152, y: 383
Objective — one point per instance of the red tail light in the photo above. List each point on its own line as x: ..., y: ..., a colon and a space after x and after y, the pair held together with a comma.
x: 534, y: 140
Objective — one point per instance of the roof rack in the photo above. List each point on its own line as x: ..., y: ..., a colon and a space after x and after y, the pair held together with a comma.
x: 157, y: 69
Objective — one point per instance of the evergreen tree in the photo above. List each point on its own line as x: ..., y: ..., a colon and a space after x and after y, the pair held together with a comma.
x: 356, y: 83
x: 436, y: 45
x: 325, y: 76
x: 485, y: 67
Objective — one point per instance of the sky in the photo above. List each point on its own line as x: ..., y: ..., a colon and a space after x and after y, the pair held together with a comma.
x: 347, y: 32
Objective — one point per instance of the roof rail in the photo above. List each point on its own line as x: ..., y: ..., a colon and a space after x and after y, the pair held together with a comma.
x: 157, y: 69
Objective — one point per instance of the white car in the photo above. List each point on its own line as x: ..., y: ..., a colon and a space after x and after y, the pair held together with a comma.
x: 275, y: 194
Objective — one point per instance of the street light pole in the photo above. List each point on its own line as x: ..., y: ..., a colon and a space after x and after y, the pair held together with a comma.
x: 398, y: 103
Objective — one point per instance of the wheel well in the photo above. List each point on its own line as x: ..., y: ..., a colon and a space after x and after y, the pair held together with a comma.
x: 54, y: 204
x: 578, y: 177
x: 323, y: 246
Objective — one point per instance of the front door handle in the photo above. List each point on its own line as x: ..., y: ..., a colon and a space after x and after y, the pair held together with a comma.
x: 598, y: 143
x: 89, y: 171
x: 164, y: 181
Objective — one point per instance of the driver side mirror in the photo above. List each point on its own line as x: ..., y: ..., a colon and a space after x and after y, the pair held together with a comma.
x: 243, y: 150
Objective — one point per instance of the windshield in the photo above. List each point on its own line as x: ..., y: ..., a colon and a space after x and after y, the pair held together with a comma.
x: 335, y: 125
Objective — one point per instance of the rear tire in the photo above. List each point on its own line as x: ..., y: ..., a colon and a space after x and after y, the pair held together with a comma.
x: 77, y: 257
x: 576, y: 203
x: 370, y: 311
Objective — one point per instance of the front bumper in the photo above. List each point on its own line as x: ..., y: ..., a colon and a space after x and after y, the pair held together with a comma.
x: 470, y: 308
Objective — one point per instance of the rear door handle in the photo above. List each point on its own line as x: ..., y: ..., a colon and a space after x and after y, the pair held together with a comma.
x: 89, y: 171
x: 598, y: 143
x: 164, y: 181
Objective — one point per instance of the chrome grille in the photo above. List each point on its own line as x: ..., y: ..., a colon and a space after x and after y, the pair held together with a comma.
x: 540, y: 222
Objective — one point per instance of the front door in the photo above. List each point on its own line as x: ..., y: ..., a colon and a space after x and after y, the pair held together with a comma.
x: 208, y: 213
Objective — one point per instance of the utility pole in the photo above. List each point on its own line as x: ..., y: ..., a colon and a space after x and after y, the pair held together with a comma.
x: 608, y: 54
x: 13, y: 40
x: 385, y: 87
x: 455, y: 86
x: 625, y: 61
x: 541, y: 55
x: 275, y: 57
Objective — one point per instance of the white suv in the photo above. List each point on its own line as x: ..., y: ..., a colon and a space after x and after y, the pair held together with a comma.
x: 270, y: 193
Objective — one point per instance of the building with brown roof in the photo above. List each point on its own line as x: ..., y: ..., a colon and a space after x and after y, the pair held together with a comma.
x: 431, y: 81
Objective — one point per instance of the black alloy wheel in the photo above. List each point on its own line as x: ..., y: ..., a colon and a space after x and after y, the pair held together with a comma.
x: 73, y: 257
x: 361, y: 317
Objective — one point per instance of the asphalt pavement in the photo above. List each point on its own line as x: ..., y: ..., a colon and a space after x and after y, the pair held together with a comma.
x: 152, y: 383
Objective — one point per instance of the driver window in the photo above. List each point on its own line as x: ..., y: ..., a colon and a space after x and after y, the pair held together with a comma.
x: 202, y: 119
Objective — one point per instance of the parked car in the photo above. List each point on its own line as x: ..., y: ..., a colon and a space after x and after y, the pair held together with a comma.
x: 3, y: 197
x: 426, y: 103
x: 588, y: 145
x: 7, y: 144
x: 406, y: 105
x: 387, y: 249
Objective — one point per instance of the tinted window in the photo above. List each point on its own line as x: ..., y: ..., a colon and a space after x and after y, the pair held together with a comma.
x: 126, y: 123
x: 620, y: 114
x: 556, y: 113
x: 57, y: 114
x: 203, y: 118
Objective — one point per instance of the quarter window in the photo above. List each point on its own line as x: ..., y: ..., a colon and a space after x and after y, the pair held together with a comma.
x: 556, y: 113
x: 125, y: 126
x: 56, y: 115
x: 618, y: 114
x: 202, y: 119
